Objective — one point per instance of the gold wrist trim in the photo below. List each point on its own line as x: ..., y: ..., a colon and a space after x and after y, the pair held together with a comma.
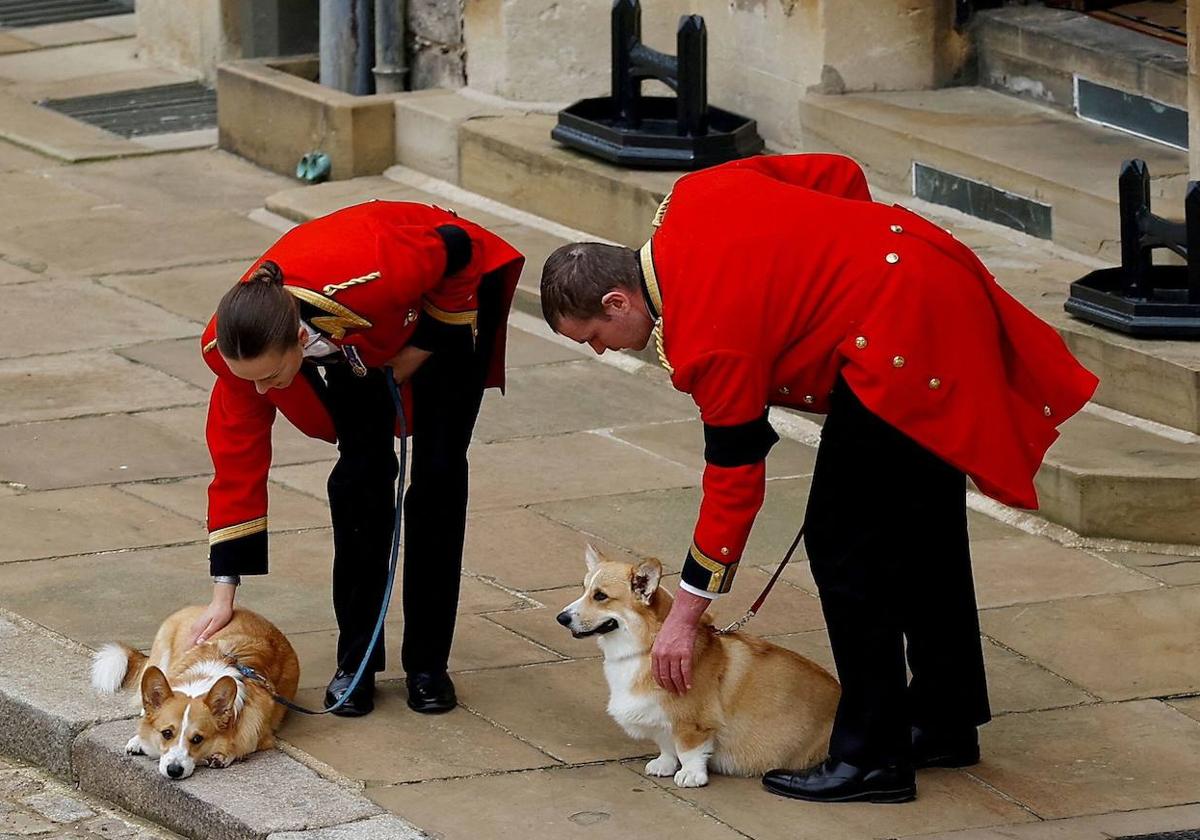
x: 720, y: 575
x: 469, y: 317
x: 233, y: 532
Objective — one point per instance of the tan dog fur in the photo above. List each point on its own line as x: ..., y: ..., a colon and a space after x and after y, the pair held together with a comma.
x: 212, y: 714
x: 753, y: 706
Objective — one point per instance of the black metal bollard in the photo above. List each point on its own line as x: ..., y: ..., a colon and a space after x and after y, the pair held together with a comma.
x: 1139, y: 297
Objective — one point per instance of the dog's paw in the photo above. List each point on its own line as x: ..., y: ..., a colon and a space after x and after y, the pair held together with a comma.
x: 664, y: 765
x: 218, y: 760
x: 691, y: 778
x: 134, y: 746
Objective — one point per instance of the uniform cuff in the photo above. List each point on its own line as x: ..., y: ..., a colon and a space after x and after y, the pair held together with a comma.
x: 239, y: 549
x: 686, y: 587
x: 706, y: 574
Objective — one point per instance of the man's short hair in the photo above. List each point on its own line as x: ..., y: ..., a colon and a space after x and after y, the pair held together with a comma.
x: 576, y: 278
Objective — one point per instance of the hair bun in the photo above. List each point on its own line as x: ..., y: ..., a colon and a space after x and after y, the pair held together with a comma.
x: 269, y: 273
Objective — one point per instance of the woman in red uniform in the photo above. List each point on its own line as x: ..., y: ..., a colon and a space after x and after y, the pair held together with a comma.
x: 779, y: 282
x: 311, y: 331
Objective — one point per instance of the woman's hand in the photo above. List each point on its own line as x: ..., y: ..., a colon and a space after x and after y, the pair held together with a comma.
x: 405, y: 363
x: 216, y: 615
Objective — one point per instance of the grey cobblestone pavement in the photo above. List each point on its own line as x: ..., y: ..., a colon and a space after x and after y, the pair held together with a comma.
x: 34, y: 804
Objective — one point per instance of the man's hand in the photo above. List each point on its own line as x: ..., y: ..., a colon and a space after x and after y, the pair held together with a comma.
x: 216, y: 616
x: 405, y: 363
x: 671, y: 658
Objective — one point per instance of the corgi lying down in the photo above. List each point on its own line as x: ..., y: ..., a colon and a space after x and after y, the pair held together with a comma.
x: 196, y: 707
x: 753, y: 706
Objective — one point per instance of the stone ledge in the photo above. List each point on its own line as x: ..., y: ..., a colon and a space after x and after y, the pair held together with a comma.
x: 46, y: 698
x: 59, y: 136
x: 355, y: 131
x: 264, y: 795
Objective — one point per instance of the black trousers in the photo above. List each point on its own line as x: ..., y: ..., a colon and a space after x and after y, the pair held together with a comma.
x: 886, y: 536
x: 447, y: 392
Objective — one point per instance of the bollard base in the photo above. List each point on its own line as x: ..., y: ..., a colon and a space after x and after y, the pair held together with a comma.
x: 1101, y: 298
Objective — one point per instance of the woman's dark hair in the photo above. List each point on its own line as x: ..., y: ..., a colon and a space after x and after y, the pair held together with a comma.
x: 576, y: 278
x: 257, y: 316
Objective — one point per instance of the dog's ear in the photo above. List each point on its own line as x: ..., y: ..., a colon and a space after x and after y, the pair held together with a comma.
x: 221, y: 701
x: 155, y: 688
x: 592, y: 557
x: 645, y: 579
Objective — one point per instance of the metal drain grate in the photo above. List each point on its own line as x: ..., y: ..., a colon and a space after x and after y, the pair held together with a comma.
x: 152, y: 110
x: 14, y: 13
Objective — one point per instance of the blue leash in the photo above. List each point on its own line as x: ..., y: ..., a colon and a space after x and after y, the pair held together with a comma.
x: 250, y: 674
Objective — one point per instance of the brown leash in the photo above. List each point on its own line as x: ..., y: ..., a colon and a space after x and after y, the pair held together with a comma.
x: 750, y: 613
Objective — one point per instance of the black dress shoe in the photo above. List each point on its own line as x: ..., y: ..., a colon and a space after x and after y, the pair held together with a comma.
x: 431, y: 693
x: 361, y: 702
x: 837, y: 781
x: 945, y: 748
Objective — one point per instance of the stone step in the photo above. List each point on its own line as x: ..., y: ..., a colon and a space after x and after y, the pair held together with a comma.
x: 1038, y: 53
x: 1007, y: 161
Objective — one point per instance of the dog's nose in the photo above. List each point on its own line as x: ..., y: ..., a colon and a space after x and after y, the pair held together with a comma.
x: 564, y: 618
x: 174, y: 770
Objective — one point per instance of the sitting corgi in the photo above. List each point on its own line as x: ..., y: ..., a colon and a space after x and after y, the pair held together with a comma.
x: 753, y: 706
x: 196, y: 706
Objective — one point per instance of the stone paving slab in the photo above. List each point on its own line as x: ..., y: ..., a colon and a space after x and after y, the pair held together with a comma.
x: 1105, y: 827
x: 13, y: 158
x: 288, y: 444
x: 46, y: 199
x: 79, y: 384
x: 177, y: 357
x: 96, y: 450
x: 1138, y: 644
x: 394, y: 744
x: 56, y: 523
x: 559, y: 708
x: 659, y: 523
x: 945, y: 799
x: 222, y: 804
x: 597, y: 803
x: 50, y: 65
x: 10, y: 43
x: 71, y: 32
x: 533, y: 404
x: 191, y: 291
x: 375, y: 828
x: 45, y: 696
x: 526, y: 350
x: 34, y: 804
x: 683, y: 442
x: 1093, y: 759
x: 1190, y: 706
x: 479, y: 644
x: 68, y: 315
x: 288, y: 510
x: 1171, y: 569
x: 523, y: 550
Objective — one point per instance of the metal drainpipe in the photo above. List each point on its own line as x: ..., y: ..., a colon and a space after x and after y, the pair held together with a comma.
x: 347, y: 45
x: 390, y: 70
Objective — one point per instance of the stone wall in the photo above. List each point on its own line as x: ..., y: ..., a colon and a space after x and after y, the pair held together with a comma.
x: 191, y: 36
x: 763, y: 54
x: 436, y: 49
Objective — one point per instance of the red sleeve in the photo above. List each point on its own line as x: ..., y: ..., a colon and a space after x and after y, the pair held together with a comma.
x: 239, y: 442
x: 730, y: 389
x: 832, y: 174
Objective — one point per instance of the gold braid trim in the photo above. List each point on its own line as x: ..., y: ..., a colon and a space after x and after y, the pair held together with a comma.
x: 646, y: 255
x: 339, y: 319
x: 243, y: 529
x: 208, y: 347
x: 662, y: 210
x: 334, y: 288
x: 469, y: 317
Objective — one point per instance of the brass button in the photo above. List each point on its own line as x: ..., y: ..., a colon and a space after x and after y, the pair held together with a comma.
x: 809, y: 399
x: 785, y: 390
x: 893, y: 258
x: 1046, y: 410
x: 861, y: 342
x: 725, y: 549
x: 935, y: 383
x: 898, y: 361
x: 897, y: 229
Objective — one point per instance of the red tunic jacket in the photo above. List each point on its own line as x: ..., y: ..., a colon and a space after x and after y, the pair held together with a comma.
x: 775, y: 275
x: 367, y: 277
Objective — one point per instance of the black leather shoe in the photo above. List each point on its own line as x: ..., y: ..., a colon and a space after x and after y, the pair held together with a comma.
x: 361, y: 702
x: 945, y: 748
x: 837, y: 781
x: 431, y: 693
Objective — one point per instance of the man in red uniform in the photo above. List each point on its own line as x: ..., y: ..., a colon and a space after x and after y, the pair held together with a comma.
x: 779, y: 282
x: 312, y: 330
